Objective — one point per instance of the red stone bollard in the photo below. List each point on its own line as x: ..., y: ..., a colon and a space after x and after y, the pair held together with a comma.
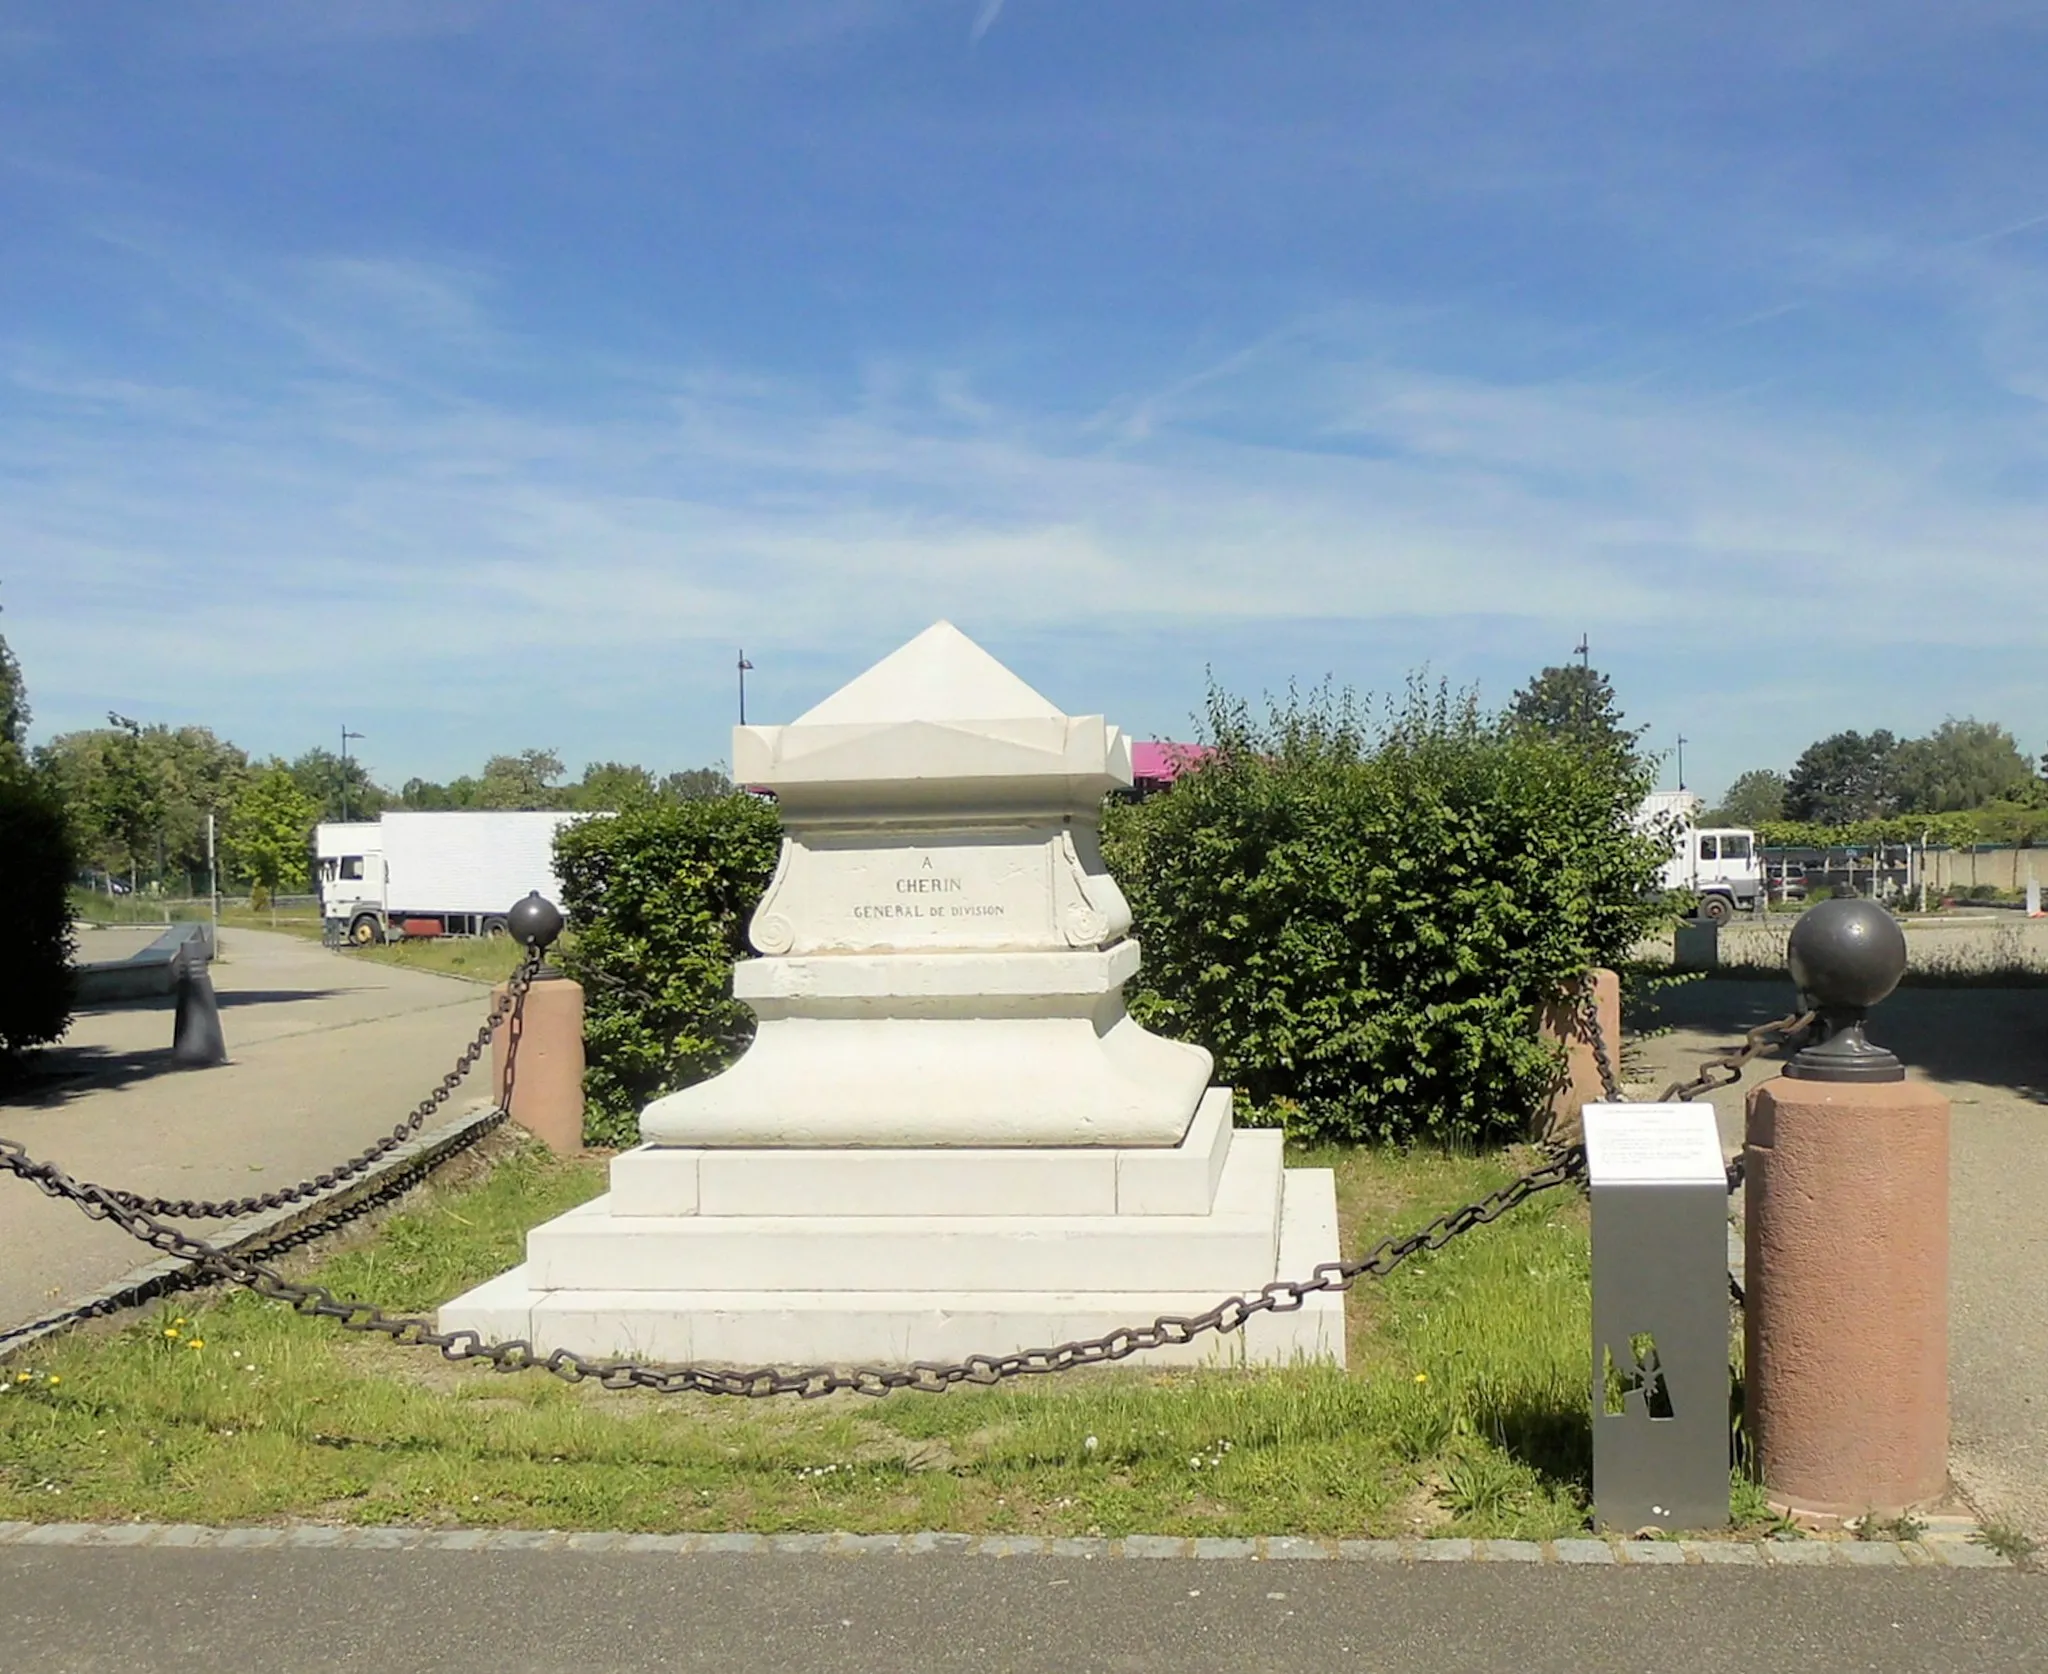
x: 537, y: 1063
x: 1846, y: 1310
x: 1580, y: 1083
x: 1846, y: 1242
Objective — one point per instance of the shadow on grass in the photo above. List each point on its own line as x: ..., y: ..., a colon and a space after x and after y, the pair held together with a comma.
x: 1554, y: 1439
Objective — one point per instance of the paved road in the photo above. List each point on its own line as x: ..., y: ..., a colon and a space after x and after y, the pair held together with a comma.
x: 1988, y: 1050
x: 80, y: 1611
x: 328, y: 1052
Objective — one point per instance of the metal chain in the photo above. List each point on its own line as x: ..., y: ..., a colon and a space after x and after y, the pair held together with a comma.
x: 188, y: 1208
x: 1724, y: 1069
x: 1282, y: 1296
x: 1603, y: 1051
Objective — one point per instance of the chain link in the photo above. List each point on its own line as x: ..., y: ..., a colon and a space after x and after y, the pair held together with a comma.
x: 1282, y: 1296
x: 190, y: 1208
x: 1596, y: 1030
x: 1724, y: 1069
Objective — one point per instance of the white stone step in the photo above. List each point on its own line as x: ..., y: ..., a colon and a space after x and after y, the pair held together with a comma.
x: 1023, y: 1180
x: 841, y: 1327
x: 592, y: 1249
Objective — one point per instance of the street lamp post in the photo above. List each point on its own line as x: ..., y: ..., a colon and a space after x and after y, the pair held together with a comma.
x: 346, y: 735
x: 744, y: 666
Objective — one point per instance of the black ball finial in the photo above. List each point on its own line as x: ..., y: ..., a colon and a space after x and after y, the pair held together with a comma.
x: 1845, y: 955
x: 535, y: 922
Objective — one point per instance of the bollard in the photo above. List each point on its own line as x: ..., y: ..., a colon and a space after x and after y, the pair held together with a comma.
x: 196, y: 1038
x: 537, y: 1057
x: 1846, y: 1245
x: 1580, y: 1082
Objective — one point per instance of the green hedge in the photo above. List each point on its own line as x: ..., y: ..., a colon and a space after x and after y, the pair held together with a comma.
x: 658, y: 898
x: 35, y: 974
x: 1996, y: 823
x: 1361, y: 918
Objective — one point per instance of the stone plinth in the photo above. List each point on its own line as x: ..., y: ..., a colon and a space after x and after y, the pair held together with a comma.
x: 948, y: 1137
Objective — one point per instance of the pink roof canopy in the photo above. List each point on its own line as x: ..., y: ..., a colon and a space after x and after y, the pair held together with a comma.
x: 1165, y: 762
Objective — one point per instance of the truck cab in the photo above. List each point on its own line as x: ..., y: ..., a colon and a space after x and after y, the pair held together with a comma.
x: 1724, y: 872
x: 1719, y: 865
x: 349, y: 866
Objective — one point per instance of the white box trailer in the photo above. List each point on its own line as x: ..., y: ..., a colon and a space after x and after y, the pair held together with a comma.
x: 440, y: 874
x: 1719, y: 864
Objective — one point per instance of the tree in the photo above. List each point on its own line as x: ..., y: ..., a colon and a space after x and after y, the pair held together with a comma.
x: 425, y: 796
x: 269, y: 833
x: 1845, y: 777
x: 608, y: 786
x: 1960, y: 765
x: 696, y: 784
x: 526, y: 780
x: 128, y: 795
x: 14, y: 710
x: 35, y: 977
x: 343, y: 788
x: 1755, y: 797
x: 1575, y: 704
x: 137, y: 797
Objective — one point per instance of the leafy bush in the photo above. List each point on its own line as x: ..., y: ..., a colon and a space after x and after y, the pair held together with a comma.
x: 35, y: 976
x: 1361, y: 918
x: 659, y: 898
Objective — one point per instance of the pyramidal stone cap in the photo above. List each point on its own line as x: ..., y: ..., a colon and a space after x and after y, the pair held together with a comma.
x: 938, y: 711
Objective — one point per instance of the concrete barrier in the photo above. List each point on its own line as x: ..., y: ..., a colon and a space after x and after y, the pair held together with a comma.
x: 149, y: 975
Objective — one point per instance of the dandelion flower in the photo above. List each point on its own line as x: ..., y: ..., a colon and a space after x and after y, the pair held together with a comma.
x: 21, y: 1377
x: 171, y: 1331
x: 53, y: 1380
x: 1422, y: 1377
x: 196, y: 1343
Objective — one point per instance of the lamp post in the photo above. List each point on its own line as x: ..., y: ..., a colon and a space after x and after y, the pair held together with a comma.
x: 346, y: 735
x: 1681, y: 761
x: 744, y: 666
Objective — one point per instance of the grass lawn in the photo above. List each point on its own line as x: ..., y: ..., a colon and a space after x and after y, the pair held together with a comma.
x: 462, y: 956
x: 1464, y: 1411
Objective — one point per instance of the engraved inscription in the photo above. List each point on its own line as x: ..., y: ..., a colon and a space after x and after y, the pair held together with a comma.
x: 928, y: 881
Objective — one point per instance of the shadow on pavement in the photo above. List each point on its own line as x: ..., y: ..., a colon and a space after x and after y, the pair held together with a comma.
x: 1994, y: 1036
x: 57, y: 1074
x: 231, y: 997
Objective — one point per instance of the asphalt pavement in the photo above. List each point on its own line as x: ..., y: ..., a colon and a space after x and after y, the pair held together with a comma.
x: 327, y: 1052
x: 78, y: 1611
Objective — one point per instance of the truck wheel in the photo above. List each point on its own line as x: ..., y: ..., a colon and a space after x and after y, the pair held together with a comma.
x: 1716, y: 909
x: 364, y: 930
x: 495, y: 928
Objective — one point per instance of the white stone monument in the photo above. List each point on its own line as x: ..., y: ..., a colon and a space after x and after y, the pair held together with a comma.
x: 948, y: 1137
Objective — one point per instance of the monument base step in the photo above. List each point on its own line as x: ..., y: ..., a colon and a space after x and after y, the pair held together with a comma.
x: 894, y: 1327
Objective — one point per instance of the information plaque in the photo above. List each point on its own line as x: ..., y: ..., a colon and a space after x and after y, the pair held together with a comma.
x: 1660, y: 1316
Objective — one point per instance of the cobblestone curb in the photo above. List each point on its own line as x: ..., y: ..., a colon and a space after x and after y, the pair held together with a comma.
x: 1948, y: 1548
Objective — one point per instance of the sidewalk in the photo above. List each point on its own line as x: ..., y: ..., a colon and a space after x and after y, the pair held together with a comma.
x: 228, y: 1611
x: 1987, y: 1049
x: 327, y: 1054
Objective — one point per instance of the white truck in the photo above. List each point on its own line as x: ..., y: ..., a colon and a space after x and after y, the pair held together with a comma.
x: 1718, y: 864
x: 442, y: 874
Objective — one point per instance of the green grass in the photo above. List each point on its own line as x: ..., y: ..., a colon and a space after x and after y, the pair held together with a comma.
x: 1464, y: 1411
x: 476, y: 958
x: 89, y: 906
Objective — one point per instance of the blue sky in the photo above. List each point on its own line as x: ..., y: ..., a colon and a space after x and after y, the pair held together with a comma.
x: 484, y: 376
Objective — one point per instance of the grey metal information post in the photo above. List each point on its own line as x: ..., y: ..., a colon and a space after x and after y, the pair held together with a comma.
x: 1660, y: 1316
